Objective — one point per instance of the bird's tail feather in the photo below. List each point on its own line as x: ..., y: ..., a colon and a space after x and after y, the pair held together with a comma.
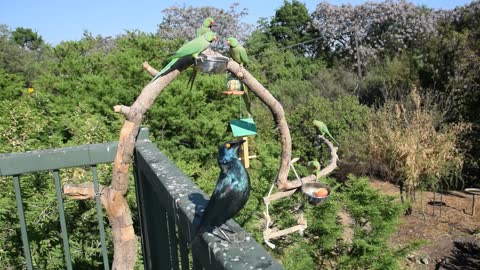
x: 167, y: 67
x: 192, y: 79
x: 247, y: 99
x: 334, y: 139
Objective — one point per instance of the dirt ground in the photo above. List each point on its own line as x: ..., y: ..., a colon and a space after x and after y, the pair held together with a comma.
x: 441, y: 229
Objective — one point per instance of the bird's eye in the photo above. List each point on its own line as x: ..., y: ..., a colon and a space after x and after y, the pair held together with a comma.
x: 227, y: 145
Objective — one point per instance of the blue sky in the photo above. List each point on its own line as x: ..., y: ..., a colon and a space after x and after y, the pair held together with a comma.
x: 67, y: 20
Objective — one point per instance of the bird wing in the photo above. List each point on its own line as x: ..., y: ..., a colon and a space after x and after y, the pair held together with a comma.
x: 224, y: 203
x: 235, y: 54
x: 202, y: 30
x: 243, y: 55
x: 196, y: 45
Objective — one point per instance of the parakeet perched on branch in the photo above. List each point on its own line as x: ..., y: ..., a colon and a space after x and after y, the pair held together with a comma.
x: 323, y: 129
x: 314, y: 167
x: 237, y: 51
x: 193, y: 48
x: 206, y: 27
x: 239, y: 54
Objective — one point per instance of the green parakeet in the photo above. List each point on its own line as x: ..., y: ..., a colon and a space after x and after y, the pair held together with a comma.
x: 239, y: 55
x: 314, y: 167
x: 193, y: 48
x: 323, y: 129
x: 206, y: 27
x: 237, y: 51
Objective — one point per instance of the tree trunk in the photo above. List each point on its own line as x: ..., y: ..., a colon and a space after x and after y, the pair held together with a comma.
x: 125, y: 242
x: 278, y: 114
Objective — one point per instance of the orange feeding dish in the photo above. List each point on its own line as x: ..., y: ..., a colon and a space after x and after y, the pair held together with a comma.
x: 321, y: 192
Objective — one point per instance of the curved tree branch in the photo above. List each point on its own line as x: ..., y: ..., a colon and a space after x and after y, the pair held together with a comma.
x: 124, y: 239
x: 332, y: 165
x: 278, y: 114
x: 112, y: 198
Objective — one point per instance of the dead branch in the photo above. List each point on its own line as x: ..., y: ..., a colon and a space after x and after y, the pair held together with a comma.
x: 291, y: 187
x: 82, y: 191
x: 278, y: 114
x: 112, y: 198
x: 332, y: 165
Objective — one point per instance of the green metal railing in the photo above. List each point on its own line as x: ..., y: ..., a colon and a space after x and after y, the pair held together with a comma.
x: 53, y: 160
x: 168, y: 204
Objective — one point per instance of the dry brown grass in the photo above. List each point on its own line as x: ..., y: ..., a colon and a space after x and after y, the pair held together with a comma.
x: 408, y: 144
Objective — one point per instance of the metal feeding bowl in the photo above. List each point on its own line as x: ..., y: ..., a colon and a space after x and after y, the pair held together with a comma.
x: 211, y: 64
x: 309, y: 189
x: 473, y: 191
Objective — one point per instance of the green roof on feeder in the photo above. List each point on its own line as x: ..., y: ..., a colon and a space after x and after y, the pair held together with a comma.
x: 242, y: 127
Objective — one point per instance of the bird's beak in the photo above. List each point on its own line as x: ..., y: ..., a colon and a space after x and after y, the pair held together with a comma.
x: 212, y: 23
x: 228, y: 42
x: 215, y: 38
x: 239, y: 142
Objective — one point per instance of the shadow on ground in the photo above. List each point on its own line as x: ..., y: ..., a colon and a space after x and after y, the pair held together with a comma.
x: 465, y: 255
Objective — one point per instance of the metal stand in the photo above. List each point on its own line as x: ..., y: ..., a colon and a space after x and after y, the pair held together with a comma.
x: 474, y: 192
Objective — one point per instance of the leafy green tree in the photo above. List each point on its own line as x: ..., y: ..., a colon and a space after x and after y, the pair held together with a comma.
x: 11, y: 85
x: 291, y: 25
x: 27, y: 38
x: 14, y: 58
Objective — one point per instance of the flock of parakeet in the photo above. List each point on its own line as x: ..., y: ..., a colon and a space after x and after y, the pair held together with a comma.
x: 205, y: 36
x: 232, y: 189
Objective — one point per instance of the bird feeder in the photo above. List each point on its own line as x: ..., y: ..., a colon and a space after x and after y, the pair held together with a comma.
x: 243, y: 128
x: 474, y: 192
x: 234, y: 86
x: 211, y: 64
x: 316, y: 193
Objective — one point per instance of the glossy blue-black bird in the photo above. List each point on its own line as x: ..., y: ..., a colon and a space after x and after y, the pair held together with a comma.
x: 231, y: 192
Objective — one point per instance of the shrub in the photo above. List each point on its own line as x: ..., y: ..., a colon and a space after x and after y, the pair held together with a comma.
x: 407, y: 143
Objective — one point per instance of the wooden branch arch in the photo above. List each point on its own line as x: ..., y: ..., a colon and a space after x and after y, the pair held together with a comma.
x: 113, y: 197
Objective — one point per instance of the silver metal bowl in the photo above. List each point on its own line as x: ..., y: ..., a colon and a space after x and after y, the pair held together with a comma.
x: 212, y: 64
x: 309, y: 188
x: 473, y: 191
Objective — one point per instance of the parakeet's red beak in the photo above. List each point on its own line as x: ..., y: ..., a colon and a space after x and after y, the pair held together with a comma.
x: 212, y: 23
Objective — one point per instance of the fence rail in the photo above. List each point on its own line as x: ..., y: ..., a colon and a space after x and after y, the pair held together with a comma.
x: 169, y: 203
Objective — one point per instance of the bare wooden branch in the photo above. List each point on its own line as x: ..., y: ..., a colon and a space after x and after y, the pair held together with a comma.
x: 278, y: 114
x: 81, y: 191
x: 124, y: 239
x: 269, y: 234
x: 279, y: 195
x: 332, y: 165
x: 121, y: 109
x: 119, y: 216
x: 149, y: 69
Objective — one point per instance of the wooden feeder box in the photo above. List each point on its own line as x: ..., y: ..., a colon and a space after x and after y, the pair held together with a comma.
x: 243, y: 128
